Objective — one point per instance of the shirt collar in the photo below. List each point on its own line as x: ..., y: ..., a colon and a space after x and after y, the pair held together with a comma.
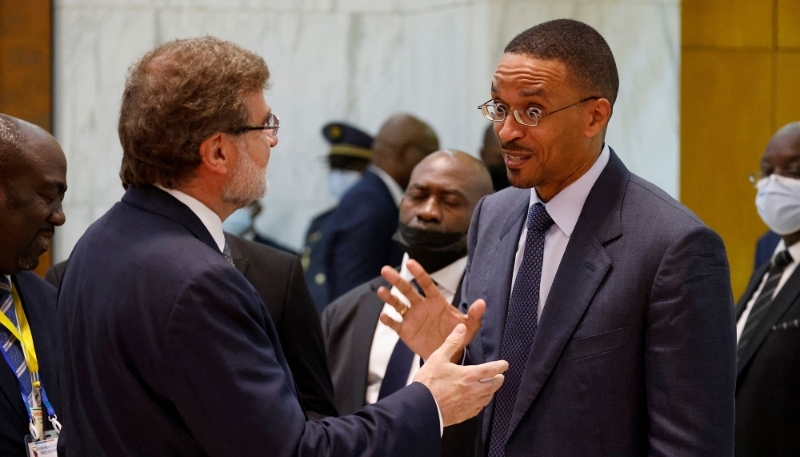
x: 565, y: 208
x: 394, y: 189
x: 447, y: 278
x: 794, y: 250
x: 209, y: 218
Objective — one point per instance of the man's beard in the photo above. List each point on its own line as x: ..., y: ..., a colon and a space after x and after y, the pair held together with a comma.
x: 30, y: 258
x: 248, y: 182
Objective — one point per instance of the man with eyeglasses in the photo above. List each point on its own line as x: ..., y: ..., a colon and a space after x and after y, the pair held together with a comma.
x: 768, y: 314
x: 167, y: 349
x: 609, y: 299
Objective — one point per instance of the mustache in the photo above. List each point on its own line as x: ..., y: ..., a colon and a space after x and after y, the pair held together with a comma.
x: 511, y: 146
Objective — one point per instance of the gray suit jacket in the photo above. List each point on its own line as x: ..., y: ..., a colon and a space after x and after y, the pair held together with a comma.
x: 635, y: 349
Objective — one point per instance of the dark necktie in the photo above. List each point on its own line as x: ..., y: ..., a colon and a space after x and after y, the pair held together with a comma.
x: 399, y: 366
x: 521, y: 322
x: 226, y: 252
x: 9, y: 342
x: 779, y: 263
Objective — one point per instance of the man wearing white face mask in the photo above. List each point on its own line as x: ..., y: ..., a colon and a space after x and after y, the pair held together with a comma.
x: 768, y: 314
x: 348, y: 157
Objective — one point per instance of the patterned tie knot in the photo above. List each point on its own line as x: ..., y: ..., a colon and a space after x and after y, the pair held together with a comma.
x: 538, y: 218
x: 782, y: 259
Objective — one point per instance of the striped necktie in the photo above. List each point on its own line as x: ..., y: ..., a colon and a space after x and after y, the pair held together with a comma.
x: 522, y: 319
x: 226, y: 252
x: 779, y: 263
x: 9, y: 342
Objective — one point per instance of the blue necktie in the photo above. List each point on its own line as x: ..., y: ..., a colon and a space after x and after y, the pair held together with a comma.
x: 521, y: 322
x: 9, y: 342
x: 226, y: 252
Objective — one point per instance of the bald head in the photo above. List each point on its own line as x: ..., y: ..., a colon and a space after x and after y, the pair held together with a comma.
x: 403, y: 140
x: 33, y: 175
x: 443, y: 191
x: 782, y: 155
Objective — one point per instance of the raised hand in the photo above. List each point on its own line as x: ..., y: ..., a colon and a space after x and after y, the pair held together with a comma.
x: 430, y: 319
x: 460, y: 391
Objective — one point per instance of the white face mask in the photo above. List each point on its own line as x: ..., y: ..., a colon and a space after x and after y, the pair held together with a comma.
x: 778, y: 203
x: 340, y: 181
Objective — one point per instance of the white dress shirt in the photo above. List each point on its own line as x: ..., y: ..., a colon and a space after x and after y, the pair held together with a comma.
x: 564, y: 209
x: 794, y: 251
x: 394, y: 189
x: 447, y: 280
x: 209, y: 218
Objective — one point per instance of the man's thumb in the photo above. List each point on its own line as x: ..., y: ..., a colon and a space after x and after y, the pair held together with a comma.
x: 453, y: 343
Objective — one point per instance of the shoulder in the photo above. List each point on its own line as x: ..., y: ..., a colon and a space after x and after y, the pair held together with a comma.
x: 260, y: 252
x: 349, y: 303
x: 32, y: 285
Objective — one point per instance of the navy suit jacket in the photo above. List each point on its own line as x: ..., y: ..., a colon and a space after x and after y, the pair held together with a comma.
x: 635, y: 349
x: 169, y: 351
x: 39, y: 302
x: 360, y: 241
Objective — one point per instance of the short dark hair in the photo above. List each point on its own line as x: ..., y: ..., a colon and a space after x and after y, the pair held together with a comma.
x: 581, y: 48
x: 177, y: 96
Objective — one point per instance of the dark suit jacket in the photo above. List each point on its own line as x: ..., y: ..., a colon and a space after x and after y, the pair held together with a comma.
x: 169, y: 351
x: 276, y: 276
x: 39, y: 302
x: 361, y: 230
x: 635, y: 349
x: 765, y: 247
x: 349, y: 327
x: 768, y: 376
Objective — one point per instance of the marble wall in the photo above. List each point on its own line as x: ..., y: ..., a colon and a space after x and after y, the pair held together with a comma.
x: 354, y: 60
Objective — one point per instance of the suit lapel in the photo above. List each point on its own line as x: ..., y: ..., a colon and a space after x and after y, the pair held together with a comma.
x: 582, y: 269
x: 364, y: 324
x: 497, y: 282
x: 785, y: 298
x: 8, y: 379
x: 755, y: 281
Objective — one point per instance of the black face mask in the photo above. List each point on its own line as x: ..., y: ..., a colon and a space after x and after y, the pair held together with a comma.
x: 433, y: 250
x: 499, y: 177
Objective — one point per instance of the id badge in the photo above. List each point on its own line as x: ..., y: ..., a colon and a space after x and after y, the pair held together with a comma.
x: 42, y: 448
x: 38, y: 420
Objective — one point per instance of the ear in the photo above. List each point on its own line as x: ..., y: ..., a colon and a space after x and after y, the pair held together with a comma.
x: 218, y: 153
x: 600, y: 113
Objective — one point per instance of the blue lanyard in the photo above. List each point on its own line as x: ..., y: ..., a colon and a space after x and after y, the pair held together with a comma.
x: 51, y: 412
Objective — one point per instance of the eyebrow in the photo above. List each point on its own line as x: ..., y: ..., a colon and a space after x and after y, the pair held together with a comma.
x: 266, y: 117
x: 531, y: 92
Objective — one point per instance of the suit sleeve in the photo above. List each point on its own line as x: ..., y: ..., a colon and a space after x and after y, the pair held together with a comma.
x: 232, y: 387
x: 304, y: 347
x: 358, y: 247
x: 690, y: 349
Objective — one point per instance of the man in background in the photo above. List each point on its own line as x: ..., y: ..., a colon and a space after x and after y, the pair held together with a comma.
x: 768, y: 314
x: 362, y: 226
x: 167, y: 350
x: 33, y: 179
x: 492, y: 157
x: 241, y: 224
x: 348, y: 157
x: 367, y: 360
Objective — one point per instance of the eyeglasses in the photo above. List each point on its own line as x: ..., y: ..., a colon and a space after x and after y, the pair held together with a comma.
x: 272, y: 125
x: 528, y: 116
x: 755, y: 177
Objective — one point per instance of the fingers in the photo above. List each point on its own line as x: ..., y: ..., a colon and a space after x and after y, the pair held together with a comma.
x: 488, y: 370
x: 423, y: 279
x: 394, y: 301
x: 405, y: 288
x: 475, y: 314
x: 391, y: 323
x: 453, y: 343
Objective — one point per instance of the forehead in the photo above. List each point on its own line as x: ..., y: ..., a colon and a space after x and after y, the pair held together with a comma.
x: 257, y: 104
x: 518, y: 75
x: 443, y: 173
x: 43, y: 159
x: 783, y: 151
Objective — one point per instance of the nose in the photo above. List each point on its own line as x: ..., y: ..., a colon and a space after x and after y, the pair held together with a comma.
x: 57, y: 216
x: 510, y: 129
x: 430, y: 211
x: 273, y: 139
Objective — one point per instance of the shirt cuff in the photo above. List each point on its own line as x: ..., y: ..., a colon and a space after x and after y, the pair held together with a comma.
x: 441, y: 421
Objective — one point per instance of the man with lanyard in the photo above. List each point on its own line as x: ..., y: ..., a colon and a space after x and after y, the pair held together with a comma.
x: 32, y: 184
